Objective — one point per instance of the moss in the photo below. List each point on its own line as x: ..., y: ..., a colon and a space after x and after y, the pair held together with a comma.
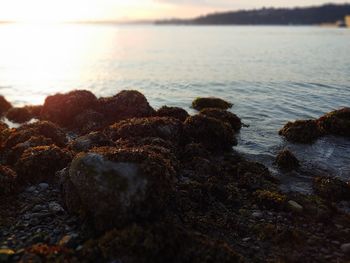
x: 332, y: 188
x: 232, y: 119
x: 336, y: 122
x: 211, y: 102
x: 302, y: 131
x: 270, y: 199
x: 173, y: 112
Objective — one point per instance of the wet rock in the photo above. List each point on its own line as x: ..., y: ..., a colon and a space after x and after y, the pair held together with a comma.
x: 301, y: 131
x: 173, y: 112
x: 163, y: 243
x: 223, y: 115
x: 7, y: 180
x: 161, y: 127
x: 55, y: 207
x: 40, y: 163
x: 336, y: 122
x: 126, y: 104
x: 331, y: 188
x: 345, y: 248
x: 212, y: 133
x: 117, y: 186
x: 4, y: 105
x: 63, y: 108
x: 286, y: 160
x: 43, y: 186
x: 201, y: 103
x: 89, y: 141
x: 42, y: 128
x: 18, y: 115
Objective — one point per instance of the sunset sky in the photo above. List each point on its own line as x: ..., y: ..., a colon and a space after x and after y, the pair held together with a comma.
x: 78, y: 10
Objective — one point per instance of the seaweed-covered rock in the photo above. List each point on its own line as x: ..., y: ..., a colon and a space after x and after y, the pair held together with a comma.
x: 89, y: 141
x: 89, y: 121
x: 301, y: 131
x: 7, y: 180
x: 118, y: 186
x: 286, y: 160
x: 211, y: 102
x: 40, y: 163
x: 163, y: 243
x: 126, y: 104
x: 4, y: 105
x: 270, y: 199
x: 12, y: 155
x: 63, y: 108
x: 41, y: 128
x: 212, y: 133
x: 173, y: 112
x: 223, y: 115
x: 331, y: 188
x: 18, y: 115
x: 162, y: 127
x: 336, y: 122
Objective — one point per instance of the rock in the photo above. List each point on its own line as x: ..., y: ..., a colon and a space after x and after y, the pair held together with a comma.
x: 43, y: 186
x: 89, y: 141
x: 211, y: 102
x: 40, y: 163
x: 301, y: 131
x: 5, y: 254
x: 270, y: 199
x: 3, y: 126
x: 126, y: 104
x: 4, y: 105
x: 30, y: 189
x: 331, y: 188
x: 232, y: 119
x: 63, y: 108
x: 117, y: 186
x: 42, y: 128
x: 212, y: 133
x: 336, y: 122
x: 162, y: 127
x: 18, y: 115
x: 55, y: 207
x: 7, y: 180
x: 286, y: 160
x: 89, y: 121
x: 295, y: 207
x: 345, y: 248
x: 173, y: 112
x: 257, y: 214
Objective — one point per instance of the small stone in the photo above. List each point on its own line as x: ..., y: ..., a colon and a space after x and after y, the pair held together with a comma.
x: 43, y: 186
x: 257, y: 214
x: 55, y: 207
x: 30, y: 189
x: 38, y: 208
x: 345, y: 248
x: 246, y: 239
x: 295, y: 207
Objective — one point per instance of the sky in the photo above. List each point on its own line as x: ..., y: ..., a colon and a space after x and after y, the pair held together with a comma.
x: 82, y: 10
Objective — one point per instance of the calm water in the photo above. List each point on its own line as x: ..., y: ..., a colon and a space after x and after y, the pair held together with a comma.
x: 271, y: 74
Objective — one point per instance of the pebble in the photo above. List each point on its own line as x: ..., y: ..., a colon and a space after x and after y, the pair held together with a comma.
x: 257, y: 214
x: 30, y: 189
x: 43, y: 186
x: 246, y: 239
x: 345, y: 248
x: 295, y: 207
x: 55, y: 207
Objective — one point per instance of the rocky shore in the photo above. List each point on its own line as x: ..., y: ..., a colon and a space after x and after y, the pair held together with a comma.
x: 114, y: 180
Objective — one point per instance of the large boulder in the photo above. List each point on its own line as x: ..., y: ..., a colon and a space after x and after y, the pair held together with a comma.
x: 331, y: 188
x: 212, y: 133
x: 336, y: 122
x: 211, y: 102
x: 162, y: 127
x: 7, y: 180
x: 38, y: 164
x: 24, y: 114
x: 173, y: 112
x: 4, y: 105
x: 63, y: 108
x: 301, y: 131
x: 232, y: 119
x: 286, y: 160
x: 114, y: 187
x: 126, y: 104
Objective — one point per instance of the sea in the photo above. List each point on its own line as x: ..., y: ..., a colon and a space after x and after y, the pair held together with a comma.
x: 272, y: 74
